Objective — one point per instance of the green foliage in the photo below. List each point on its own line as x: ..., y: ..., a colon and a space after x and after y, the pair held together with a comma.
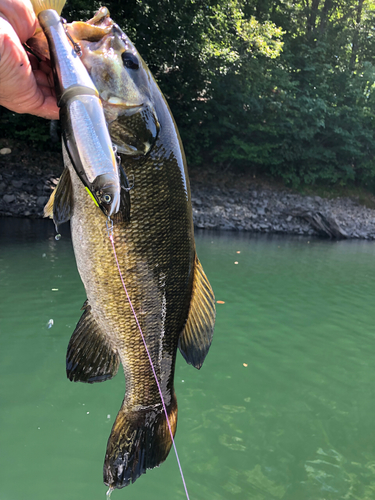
x: 276, y: 87
x: 305, y: 116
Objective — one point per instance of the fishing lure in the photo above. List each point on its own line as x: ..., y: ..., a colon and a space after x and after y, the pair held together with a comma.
x: 84, y: 129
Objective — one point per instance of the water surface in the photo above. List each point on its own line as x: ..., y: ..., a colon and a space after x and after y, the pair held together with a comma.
x: 283, y: 407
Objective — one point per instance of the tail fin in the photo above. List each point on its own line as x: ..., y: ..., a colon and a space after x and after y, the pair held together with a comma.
x: 140, y: 440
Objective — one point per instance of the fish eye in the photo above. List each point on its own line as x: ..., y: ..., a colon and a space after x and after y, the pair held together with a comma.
x: 107, y: 198
x: 130, y: 60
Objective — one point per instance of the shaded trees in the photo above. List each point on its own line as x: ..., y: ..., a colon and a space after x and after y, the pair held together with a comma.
x: 281, y: 87
x: 275, y: 86
x: 310, y: 114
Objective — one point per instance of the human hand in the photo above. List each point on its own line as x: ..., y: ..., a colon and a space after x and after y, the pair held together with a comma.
x: 26, y: 85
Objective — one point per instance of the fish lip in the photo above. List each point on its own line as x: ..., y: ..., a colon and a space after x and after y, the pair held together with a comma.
x: 123, y: 106
x: 112, y: 101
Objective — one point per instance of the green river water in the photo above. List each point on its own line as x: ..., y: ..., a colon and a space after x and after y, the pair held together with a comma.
x: 283, y: 407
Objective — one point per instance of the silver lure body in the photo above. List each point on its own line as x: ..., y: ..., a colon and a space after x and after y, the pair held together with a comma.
x: 85, y: 132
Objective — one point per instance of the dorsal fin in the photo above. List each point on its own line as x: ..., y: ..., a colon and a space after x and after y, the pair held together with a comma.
x: 90, y: 357
x: 196, y: 337
x: 60, y: 204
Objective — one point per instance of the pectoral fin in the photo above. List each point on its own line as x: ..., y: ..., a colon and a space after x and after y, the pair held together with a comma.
x: 60, y: 205
x: 90, y: 357
x: 196, y: 338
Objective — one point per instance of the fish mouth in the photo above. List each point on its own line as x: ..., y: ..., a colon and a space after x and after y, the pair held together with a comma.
x: 117, y: 102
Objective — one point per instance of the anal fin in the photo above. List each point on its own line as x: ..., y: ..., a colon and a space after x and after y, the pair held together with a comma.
x: 90, y: 357
x: 196, y: 337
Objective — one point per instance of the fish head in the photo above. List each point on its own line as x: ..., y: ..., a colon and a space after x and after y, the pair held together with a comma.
x: 123, y: 81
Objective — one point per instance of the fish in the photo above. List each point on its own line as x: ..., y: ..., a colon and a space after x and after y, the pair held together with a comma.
x: 155, y: 248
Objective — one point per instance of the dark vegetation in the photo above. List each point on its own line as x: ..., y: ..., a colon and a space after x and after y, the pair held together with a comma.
x: 271, y: 87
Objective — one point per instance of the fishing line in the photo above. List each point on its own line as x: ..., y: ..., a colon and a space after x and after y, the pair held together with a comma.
x: 109, y: 224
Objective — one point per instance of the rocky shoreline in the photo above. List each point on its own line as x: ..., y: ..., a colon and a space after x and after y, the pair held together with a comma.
x: 262, y: 210
x: 229, y: 204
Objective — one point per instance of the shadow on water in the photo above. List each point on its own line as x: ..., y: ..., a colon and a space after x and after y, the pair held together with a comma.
x: 281, y: 409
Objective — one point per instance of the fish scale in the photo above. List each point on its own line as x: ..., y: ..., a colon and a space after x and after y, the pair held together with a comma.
x: 156, y: 225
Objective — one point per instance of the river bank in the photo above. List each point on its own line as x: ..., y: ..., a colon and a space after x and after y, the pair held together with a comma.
x: 222, y: 201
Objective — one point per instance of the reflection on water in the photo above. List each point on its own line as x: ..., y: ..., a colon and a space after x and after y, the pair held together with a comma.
x: 282, y: 408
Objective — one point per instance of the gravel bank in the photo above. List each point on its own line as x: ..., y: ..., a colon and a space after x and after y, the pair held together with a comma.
x: 27, y: 179
x: 274, y: 211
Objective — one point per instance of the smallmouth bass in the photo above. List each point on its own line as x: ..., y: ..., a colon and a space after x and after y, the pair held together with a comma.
x: 155, y: 246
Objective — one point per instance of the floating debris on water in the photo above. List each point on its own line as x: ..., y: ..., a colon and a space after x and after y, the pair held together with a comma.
x: 220, y: 302
x: 236, y: 262
x: 50, y: 323
x: 55, y: 289
x: 58, y: 237
x: 44, y: 255
x: 238, y: 251
x: 109, y: 492
x: 244, y: 364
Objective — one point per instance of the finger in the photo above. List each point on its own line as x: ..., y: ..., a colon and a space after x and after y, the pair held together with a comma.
x: 42, y: 79
x: 19, y: 90
x: 47, y: 91
x: 15, y: 66
x: 48, y: 109
x: 21, y: 16
x: 33, y: 61
x: 46, y: 67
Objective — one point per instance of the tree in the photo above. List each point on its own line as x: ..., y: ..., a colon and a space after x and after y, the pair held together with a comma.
x: 285, y: 88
